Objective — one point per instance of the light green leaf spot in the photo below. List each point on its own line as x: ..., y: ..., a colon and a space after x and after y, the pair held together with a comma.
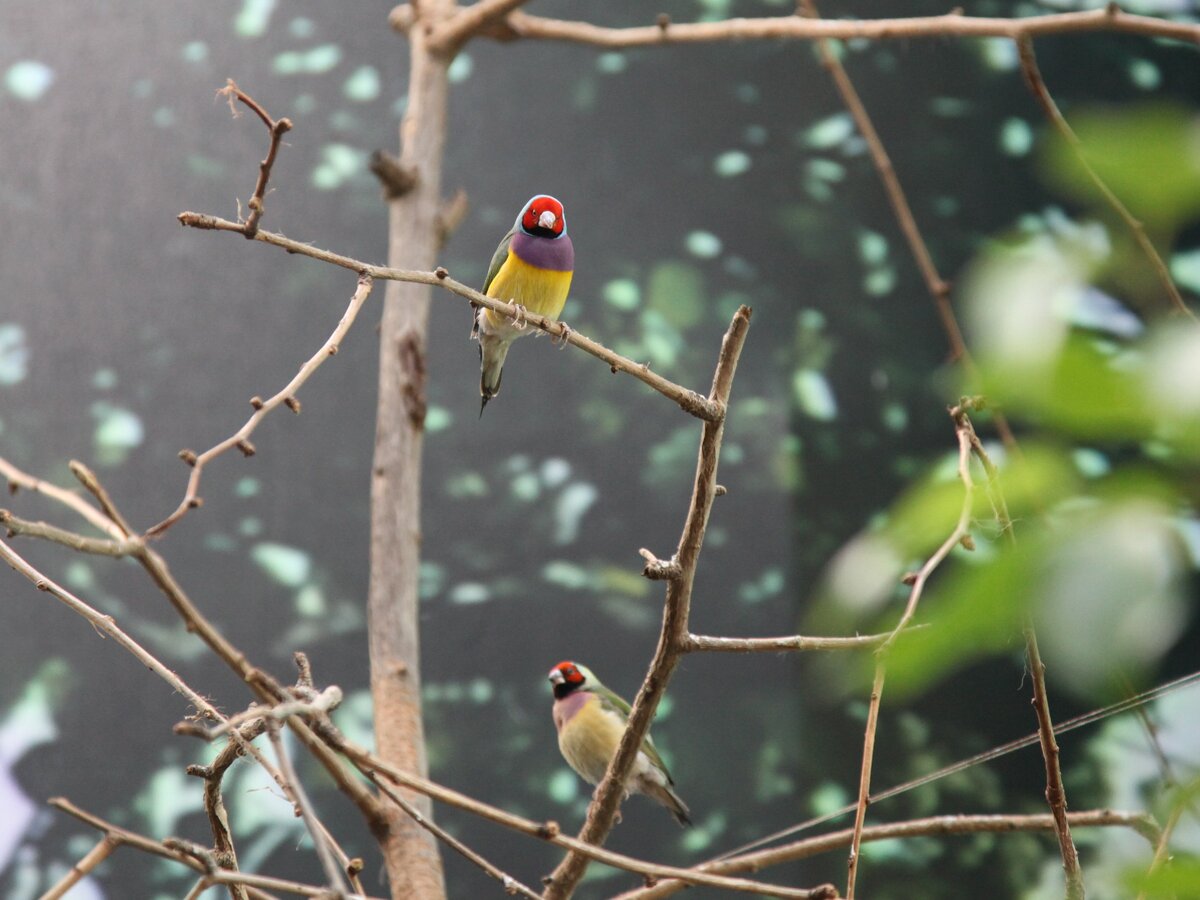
x: 438, y: 418
x: 195, y: 51
x: 814, y: 395
x: 703, y: 244
x: 363, y: 85
x: 14, y: 354
x: 460, y: 70
x: 676, y: 292
x: 289, y: 566
x: 611, y: 63
x: 1144, y: 74
x: 254, y: 18
x: 731, y: 163
x: 566, y: 574
x: 117, y: 432
x: 470, y: 592
x: 1016, y: 137
x: 28, y: 79
x: 562, y: 786
x: 623, y: 293
x: 829, y: 132
x: 310, y: 601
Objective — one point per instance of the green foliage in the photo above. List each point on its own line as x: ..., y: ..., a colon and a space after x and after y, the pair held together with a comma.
x: 1146, y: 154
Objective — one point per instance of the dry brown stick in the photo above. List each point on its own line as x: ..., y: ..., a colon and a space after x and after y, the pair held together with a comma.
x: 864, y: 776
x: 936, y: 825
x: 694, y: 643
x: 334, y: 875
x: 17, y: 526
x: 688, y: 400
x: 1037, y: 86
x: 224, y: 850
x: 938, y: 287
x: 106, y: 625
x: 278, y: 128
x: 195, y: 858
x: 18, y: 480
x: 286, y: 396
x: 81, y: 869
x: 1056, y: 795
x: 608, y: 795
x: 468, y: 21
x: 961, y: 529
x: 510, y: 884
x: 1111, y: 18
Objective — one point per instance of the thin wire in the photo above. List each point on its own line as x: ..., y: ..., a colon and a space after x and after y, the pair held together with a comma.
x: 1079, y: 721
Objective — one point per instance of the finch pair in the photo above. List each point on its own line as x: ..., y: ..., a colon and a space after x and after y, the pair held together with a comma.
x: 532, y: 268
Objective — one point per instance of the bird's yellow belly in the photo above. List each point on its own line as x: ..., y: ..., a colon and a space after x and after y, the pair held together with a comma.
x: 589, y: 740
x: 541, y: 291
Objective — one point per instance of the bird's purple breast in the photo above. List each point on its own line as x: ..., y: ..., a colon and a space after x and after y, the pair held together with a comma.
x: 555, y: 254
x: 566, y: 708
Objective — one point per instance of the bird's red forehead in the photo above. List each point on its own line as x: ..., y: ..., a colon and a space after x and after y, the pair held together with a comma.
x: 570, y: 673
x: 541, y: 204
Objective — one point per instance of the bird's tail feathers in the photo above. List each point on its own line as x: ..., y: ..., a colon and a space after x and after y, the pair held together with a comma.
x: 671, y: 800
x: 491, y: 368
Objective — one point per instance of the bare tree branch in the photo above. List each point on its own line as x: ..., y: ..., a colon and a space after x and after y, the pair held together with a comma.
x: 937, y: 825
x: 102, y: 851
x: 608, y: 795
x: 1111, y: 18
x: 278, y: 128
x: 688, y: 400
x: 286, y: 396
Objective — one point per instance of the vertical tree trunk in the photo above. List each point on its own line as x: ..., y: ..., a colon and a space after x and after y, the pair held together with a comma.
x: 411, y: 854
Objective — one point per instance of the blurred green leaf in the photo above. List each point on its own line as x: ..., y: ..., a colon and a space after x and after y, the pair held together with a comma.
x: 676, y: 291
x: 1178, y: 879
x: 1147, y: 155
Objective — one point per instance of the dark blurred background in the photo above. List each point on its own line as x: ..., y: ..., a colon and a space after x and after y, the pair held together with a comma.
x: 695, y: 179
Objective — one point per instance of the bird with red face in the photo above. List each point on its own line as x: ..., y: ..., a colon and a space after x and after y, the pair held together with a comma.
x: 590, y: 720
x: 532, y: 268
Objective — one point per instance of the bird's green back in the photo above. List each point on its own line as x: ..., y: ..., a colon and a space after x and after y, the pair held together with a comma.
x: 614, y: 703
x: 498, y: 259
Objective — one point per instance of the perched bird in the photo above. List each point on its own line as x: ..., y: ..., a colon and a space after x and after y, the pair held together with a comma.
x: 590, y: 720
x: 532, y: 268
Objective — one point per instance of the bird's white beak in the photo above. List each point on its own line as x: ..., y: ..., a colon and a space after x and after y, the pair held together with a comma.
x: 547, y: 219
x: 555, y: 676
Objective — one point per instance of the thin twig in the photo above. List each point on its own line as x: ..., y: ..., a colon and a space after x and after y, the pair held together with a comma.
x: 102, y: 851
x: 286, y: 396
x: 327, y: 700
x: 961, y: 529
x: 688, y: 400
x: 82, y: 543
x: 72, y: 500
x: 936, y: 825
x: 193, y: 857
x: 511, y: 885
x: 1056, y: 795
x: 603, y: 808
x: 334, y: 875
x: 106, y: 625
x: 1110, y: 18
x: 694, y: 643
x: 277, y: 128
x: 1037, y: 86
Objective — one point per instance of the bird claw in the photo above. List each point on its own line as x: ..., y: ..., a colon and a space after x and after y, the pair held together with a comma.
x: 520, y: 312
x: 564, y: 336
